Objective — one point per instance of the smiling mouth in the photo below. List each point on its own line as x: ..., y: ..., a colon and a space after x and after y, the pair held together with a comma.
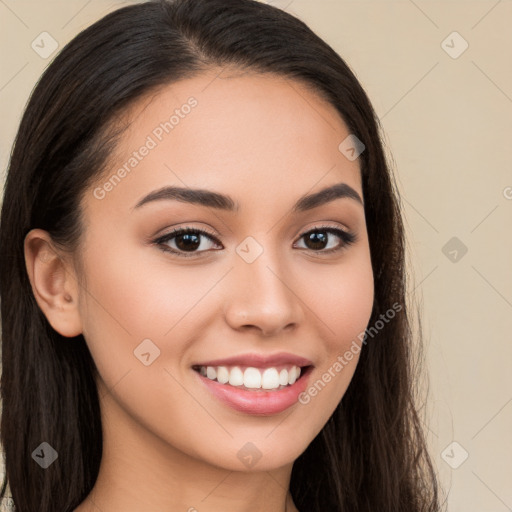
x: 255, y: 379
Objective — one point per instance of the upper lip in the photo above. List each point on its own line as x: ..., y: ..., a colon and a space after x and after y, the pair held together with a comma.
x: 259, y: 360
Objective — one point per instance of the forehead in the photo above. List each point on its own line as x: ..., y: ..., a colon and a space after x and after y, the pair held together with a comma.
x: 246, y: 134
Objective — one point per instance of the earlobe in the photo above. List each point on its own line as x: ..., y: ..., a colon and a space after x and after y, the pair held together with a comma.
x: 53, y: 282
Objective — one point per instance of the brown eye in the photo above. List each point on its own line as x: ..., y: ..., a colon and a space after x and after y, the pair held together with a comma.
x: 187, y: 240
x: 318, y: 239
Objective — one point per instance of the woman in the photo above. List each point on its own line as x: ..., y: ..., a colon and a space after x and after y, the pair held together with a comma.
x: 202, y: 282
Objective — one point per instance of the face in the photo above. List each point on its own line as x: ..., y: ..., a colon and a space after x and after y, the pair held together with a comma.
x: 254, y: 277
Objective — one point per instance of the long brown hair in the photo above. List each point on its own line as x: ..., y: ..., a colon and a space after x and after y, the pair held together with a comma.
x: 371, y: 455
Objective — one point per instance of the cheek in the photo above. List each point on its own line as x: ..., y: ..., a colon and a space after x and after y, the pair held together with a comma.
x: 341, y: 296
x: 137, y: 294
x: 350, y: 312
x: 134, y: 295
x: 342, y: 300
x: 351, y: 304
x: 134, y: 307
x: 124, y: 302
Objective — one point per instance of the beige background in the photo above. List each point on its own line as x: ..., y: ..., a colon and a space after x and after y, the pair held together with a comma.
x: 448, y: 125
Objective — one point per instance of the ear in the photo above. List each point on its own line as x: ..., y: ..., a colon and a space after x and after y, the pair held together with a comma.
x: 54, y: 283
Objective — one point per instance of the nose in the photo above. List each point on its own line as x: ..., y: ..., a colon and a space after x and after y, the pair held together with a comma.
x: 261, y: 297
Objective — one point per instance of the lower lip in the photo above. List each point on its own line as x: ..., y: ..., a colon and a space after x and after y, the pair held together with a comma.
x: 258, y: 402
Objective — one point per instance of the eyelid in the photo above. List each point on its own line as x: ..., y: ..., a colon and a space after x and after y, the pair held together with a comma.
x: 324, y: 225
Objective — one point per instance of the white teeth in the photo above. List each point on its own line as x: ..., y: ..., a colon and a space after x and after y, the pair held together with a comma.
x: 222, y: 374
x: 236, y: 377
x: 252, y: 378
x: 293, y: 376
x: 270, y: 379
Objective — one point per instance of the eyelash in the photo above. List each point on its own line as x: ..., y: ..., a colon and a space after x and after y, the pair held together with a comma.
x: 347, y: 237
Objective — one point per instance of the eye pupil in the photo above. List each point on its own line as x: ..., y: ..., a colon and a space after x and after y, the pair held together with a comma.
x: 191, y: 241
x: 318, y: 238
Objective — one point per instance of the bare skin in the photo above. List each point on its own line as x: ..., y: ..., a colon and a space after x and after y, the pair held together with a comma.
x: 169, y: 444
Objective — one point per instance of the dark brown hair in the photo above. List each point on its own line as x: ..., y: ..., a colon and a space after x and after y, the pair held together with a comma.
x: 371, y: 455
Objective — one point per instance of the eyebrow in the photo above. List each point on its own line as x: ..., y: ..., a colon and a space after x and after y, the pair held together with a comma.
x: 223, y: 202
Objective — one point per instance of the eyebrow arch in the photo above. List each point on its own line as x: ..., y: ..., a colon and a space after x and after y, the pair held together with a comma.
x: 222, y: 202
